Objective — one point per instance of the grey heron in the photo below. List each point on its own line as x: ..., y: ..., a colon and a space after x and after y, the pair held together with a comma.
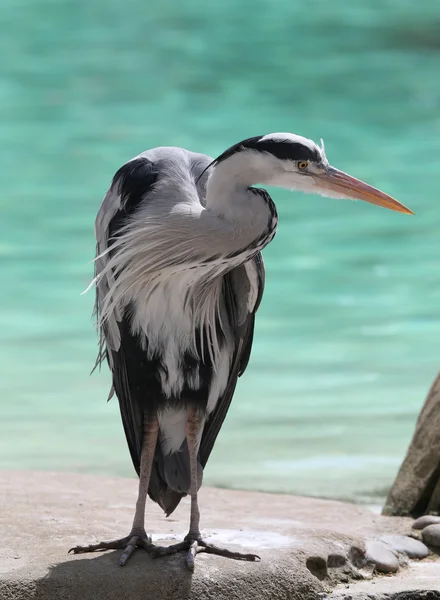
x: 179, y: 277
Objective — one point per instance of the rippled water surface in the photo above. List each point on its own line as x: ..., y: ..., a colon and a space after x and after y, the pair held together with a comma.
x: 348, y: 335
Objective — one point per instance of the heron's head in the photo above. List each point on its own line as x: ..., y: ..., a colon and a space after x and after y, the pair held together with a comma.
x: 295, y: 162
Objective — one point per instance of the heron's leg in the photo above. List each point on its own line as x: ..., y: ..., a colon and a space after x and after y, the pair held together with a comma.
x: 192, y: 430
x: 149, y: 442
x: 137, y: 535
x: 193, y: 542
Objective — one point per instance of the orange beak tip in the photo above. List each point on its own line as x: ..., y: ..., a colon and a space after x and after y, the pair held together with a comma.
x: 340, y: 182
x: 405, y: 210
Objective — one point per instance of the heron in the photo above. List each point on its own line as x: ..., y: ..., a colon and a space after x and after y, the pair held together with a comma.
x: 179, y: 277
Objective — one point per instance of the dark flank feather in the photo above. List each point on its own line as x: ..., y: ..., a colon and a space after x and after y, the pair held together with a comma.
x: 243, y: 335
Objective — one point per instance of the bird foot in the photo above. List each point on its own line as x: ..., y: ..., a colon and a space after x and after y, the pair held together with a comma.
x: 195, y: 546
x: 136, y: 539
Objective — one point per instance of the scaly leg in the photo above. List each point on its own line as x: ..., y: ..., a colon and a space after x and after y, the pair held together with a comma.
x: 193, y: 542
x: 137, y: 536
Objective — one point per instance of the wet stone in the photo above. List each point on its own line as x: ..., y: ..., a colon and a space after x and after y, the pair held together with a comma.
x: 424, y: 521
x: 406, y: 545
x: 382, y: 556
x: 431, y: 535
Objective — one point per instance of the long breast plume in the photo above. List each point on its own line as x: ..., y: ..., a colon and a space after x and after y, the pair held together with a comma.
x: 140, y: 259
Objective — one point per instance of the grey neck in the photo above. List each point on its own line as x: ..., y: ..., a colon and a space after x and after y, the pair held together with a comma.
x: 228, y: 193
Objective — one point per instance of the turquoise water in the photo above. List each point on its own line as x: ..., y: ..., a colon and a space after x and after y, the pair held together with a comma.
x: 347, y: 337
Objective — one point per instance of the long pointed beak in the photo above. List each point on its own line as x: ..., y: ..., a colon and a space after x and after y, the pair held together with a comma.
x: 339, y: 182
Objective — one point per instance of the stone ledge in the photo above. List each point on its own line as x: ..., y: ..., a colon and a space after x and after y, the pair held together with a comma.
x: 309, y: 548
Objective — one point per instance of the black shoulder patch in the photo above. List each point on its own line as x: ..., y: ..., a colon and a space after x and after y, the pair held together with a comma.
x: 282, y: 149
x: 132, y: 182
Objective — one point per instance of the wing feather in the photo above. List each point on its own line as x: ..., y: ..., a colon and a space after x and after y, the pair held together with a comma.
x: 130, y: 187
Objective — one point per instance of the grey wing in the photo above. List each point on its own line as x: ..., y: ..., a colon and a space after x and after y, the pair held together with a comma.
x: 243, y: 289
x: 134, y: 374
x: 130, y: 189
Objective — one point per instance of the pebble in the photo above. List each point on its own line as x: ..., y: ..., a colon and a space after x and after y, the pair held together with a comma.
x: 431, y: 535
x: 424, y: 521
x: 382, y: 556
x: 406, y: 545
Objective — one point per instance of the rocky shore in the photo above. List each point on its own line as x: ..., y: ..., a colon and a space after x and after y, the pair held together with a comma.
x: 309, y: 548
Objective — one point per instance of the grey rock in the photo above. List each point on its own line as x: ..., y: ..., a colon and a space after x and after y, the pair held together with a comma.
x: 382, y: 556
x: 424, y: 521
x: 431, y: 535
x: 417, y: 485
x: 406, y: 545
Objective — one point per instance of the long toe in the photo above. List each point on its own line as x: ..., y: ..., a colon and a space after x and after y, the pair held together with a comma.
x: 129, y: 549
x: 211, y: 549
x: 193, y: 547
x: 111, y: 545
x: 128, y: 544
x: 191, y: 555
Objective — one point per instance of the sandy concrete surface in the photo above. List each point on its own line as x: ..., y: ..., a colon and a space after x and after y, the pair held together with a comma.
x: 309, y: 548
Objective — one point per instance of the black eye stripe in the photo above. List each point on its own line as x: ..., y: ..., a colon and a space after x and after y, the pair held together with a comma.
x: 282, y: 149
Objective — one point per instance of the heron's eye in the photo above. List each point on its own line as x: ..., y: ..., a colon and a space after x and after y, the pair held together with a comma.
x: 302, y: 164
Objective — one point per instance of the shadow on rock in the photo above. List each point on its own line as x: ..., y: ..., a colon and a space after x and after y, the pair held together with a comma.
x: 99, y: 577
